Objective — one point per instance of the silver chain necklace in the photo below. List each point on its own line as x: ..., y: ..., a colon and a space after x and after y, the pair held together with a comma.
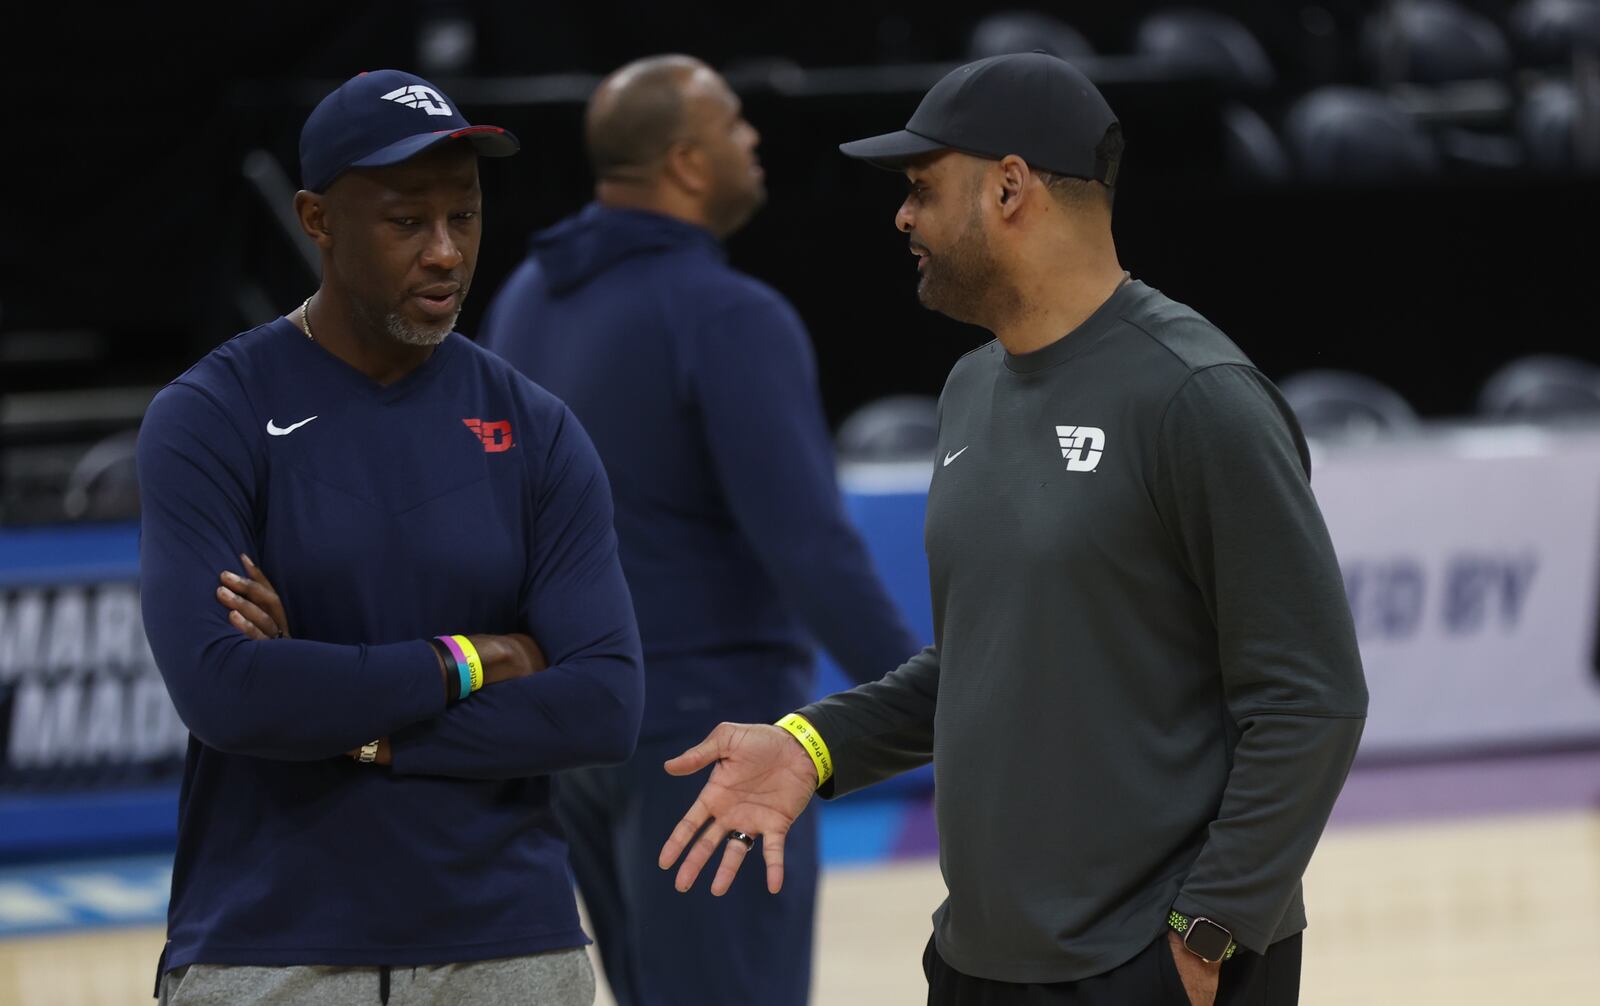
x: 305, y: 319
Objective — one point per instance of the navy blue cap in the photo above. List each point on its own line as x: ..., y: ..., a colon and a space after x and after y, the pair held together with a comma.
x: 1034, y: 105
x: 384, y: 117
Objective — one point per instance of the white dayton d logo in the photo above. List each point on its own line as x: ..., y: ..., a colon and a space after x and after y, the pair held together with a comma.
x: 1081, y: 446
x: 417, y: 96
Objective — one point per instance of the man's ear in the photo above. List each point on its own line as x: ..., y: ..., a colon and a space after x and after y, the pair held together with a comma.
x: 685, y: 163
x: 311, y: 209
x: 1014, y: 175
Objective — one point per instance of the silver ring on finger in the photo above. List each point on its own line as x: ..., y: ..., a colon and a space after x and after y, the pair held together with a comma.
x: 739, y: 836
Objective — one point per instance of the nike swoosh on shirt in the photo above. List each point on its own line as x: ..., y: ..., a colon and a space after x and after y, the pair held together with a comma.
x: 283, y: 431
x: 947, y: 458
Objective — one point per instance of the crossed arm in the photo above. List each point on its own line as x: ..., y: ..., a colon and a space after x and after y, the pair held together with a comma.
x: 256, y: 610
x: 264, y: 696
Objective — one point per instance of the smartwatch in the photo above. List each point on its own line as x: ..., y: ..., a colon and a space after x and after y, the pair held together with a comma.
x: 1207, y: 940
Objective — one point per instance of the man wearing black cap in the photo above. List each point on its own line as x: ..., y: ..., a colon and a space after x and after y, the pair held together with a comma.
x: 1144, y: 692
x: 426, y: 513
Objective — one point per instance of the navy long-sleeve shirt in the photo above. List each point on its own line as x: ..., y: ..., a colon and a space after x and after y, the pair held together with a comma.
x: 461, y: 498
x: 698, y: 385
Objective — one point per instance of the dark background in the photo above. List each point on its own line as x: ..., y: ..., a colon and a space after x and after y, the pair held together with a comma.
x: 129, y: 223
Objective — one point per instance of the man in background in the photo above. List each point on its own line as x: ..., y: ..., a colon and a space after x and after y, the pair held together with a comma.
x: 698, y: 386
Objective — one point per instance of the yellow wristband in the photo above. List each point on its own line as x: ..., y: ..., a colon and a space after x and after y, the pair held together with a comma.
x: 474, y: 662
x: 812, y: 741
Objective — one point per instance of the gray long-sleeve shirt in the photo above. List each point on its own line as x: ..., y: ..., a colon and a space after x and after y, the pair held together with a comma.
x: 1144, y: 690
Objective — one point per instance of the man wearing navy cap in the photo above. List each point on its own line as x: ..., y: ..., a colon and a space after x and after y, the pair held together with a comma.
x: 1144, y: 691
x: 365, y: 808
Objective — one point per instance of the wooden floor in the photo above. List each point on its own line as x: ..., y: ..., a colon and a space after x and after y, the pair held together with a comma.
x: 1484, y: 911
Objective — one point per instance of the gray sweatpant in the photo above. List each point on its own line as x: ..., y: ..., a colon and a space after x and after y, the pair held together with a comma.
x: 557, y: 978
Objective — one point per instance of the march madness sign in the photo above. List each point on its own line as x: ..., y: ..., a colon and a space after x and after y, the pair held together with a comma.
x: 81, y: 701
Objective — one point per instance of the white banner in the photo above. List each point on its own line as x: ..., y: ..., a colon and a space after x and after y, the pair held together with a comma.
x: 1471, y: 558
x: 1470, y: 561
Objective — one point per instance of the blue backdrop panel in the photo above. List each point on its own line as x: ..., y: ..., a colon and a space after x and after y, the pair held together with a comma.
x: 90, y: 748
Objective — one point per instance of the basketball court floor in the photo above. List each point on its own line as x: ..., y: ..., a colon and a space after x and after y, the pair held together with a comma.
x: 1461, y: 883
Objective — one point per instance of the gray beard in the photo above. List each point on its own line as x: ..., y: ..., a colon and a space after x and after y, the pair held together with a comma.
x: 404, y: 332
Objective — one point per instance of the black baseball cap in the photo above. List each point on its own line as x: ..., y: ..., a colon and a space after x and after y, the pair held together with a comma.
x: 383, y: 117
x: 1032, y: 104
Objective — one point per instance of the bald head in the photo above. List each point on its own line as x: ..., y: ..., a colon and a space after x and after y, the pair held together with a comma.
x: 637, y: 113
x: 666, y: 134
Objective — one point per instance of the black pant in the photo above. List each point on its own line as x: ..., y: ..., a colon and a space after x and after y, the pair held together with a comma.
x: 1149, y: 979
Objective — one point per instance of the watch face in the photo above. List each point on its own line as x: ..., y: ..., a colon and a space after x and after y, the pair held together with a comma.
x: 1207, y: 939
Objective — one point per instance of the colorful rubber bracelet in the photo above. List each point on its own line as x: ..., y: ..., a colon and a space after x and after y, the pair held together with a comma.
x: 441, y: 653
x: 474, y: 662
x: 462, y: 668
x: 812, y: 741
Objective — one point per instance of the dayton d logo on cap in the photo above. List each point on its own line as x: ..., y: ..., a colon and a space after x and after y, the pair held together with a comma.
x: 385, y: 117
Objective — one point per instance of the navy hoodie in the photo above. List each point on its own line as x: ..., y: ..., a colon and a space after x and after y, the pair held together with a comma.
x: 698, y: 386
x: 460, y: 498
